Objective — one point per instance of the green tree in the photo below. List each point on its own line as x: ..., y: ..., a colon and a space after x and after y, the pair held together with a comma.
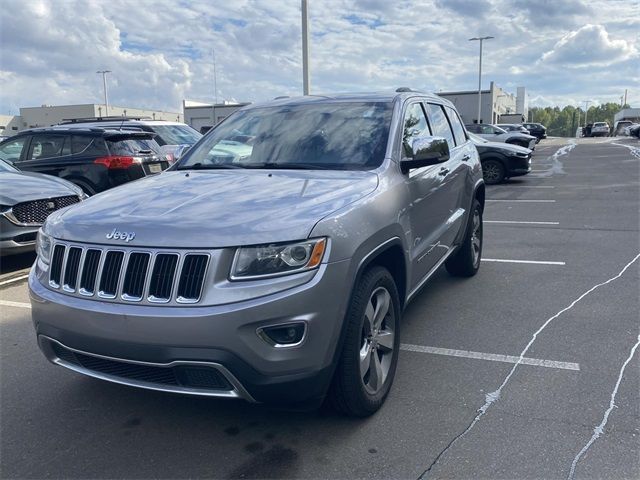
x: 564, y: 123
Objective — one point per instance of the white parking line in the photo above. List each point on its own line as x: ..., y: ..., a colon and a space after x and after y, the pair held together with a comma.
x: 533, y: 262
x: 523, y: 201
x: 492, y: 357
x: 12, y: 280
x: 9, y: 303
x: 509, y: 222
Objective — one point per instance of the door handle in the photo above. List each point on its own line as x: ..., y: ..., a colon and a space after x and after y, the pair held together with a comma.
x: 443, y: 171
x: 466, y: 157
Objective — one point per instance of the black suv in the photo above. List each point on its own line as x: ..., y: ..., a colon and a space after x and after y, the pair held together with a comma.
x: 95, y: 159
x: 536, y: 129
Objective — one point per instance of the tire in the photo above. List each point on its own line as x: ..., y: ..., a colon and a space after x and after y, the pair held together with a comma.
x: 360, y: 394
x: 466, y: 261
x: 493, y: 172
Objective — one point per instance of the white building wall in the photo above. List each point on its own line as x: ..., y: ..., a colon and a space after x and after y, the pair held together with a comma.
x: 45, y: 116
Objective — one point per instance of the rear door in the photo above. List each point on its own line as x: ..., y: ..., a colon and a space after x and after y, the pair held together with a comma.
x: 428, y: 207
x: 452, y: 172
x: 46, y: 154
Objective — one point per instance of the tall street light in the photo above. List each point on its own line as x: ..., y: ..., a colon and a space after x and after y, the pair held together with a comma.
x: 481, y: 39
x: 306, y: 84
x: 104, y: 86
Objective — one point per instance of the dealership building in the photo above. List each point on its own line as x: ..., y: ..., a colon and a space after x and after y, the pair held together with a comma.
x: 47, y: 115
x: 496, y: 102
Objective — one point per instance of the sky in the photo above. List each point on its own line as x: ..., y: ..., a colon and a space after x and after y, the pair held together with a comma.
x: 161, y: 52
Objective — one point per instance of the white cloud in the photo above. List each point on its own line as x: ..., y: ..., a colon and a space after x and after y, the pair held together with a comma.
x: 589, y: 45
x: 161, y: 54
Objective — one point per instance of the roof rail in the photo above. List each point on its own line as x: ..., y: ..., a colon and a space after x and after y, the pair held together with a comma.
x: 113, y: 118
x: 281, y: 97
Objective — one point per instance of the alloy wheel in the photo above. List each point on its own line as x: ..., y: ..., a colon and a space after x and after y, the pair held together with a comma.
x: 476, y: 237
x: 377, y: 341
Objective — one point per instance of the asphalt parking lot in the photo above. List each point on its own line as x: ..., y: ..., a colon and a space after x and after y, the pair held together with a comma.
x: 525, y: 371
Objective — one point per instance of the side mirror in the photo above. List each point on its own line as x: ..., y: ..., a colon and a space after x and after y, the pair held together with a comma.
x: 426, y: 151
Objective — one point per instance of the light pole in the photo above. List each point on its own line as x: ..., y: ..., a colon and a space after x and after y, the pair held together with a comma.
x: 586, y: 110
x: 481, y: 39
x: 306, y: 84
x: 104, y: 86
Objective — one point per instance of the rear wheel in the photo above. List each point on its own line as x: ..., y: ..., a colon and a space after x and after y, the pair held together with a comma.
x: 493, y: 172
x: 466, y: 261
x: 369, y: 356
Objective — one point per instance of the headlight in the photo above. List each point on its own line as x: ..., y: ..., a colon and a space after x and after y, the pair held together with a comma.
x: 43, y: 246
x: 277, y: 259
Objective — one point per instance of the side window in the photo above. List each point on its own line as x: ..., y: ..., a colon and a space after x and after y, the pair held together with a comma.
x: 415, y: 124
x: 45, y: 146
x: 10, y: 151
x: 487, y: 129
x: 458, y: 129
x: 440, y: 124
x: 87, y: 145
x: 473, y: 128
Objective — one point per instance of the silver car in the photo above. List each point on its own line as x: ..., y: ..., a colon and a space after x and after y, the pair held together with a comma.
x: 273, y: 262
x: 494, y: 133
x: 26, y: 199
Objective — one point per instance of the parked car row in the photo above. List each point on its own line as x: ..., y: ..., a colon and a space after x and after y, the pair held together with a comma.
x: 494, y: 133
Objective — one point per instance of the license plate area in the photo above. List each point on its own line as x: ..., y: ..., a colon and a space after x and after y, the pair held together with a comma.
x: 155, y: 167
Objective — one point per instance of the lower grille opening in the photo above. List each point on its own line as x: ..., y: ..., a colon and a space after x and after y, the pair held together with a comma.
x: 200, y: 377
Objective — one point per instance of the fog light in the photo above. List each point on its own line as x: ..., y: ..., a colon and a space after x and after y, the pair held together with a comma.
x: 287, y: 335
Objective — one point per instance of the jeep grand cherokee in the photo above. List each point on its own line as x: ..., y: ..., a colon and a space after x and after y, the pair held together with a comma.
x: 273, y: 262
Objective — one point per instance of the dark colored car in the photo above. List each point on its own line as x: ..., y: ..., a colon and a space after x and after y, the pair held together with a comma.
x: 174, y: 138
x: 95, y: 159
x: 513, y: 127
x: 536, y: 129
x: 586, y: 130
x: 26, y: 200
x: 501, y: 160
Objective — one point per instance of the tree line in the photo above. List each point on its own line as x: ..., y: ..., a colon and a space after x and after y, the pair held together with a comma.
x: 565, y: 122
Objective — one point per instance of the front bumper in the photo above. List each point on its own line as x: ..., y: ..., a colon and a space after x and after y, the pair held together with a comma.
x: 518, y: 166
x: 16, y: 238
x: 221, y: 338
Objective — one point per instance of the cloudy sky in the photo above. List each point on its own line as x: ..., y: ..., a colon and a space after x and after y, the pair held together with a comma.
x: 161, y: 52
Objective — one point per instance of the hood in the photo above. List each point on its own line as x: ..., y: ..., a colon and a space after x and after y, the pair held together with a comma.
x: 520, y: 135
x: 18, y: 187
x: 212, y: 209
x: 503, y: 147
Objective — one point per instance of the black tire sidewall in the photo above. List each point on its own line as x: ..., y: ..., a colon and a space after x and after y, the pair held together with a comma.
x: 500, y: 166
x: 358, y: 401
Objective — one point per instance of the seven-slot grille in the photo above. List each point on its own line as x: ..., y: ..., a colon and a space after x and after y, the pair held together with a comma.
x: 37, y: 211
x: 131, y: 276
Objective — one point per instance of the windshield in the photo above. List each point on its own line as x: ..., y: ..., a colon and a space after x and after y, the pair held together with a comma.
x: 132, y: 146
x: 476, y: 139
x: 341, y: 136
x: 5, y: 167
x: 176, y: 134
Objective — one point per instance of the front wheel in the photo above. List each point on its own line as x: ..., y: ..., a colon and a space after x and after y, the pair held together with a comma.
x: 369, y: 356
x: 466, y: 261
x: 493, y: 172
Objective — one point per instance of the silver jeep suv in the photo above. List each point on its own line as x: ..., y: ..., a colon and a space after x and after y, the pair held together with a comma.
x: 271, y: 263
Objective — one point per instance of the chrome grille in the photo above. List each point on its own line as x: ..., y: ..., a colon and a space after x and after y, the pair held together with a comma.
x: 111, y: 274
x: 37, y: 211
x: 128, y: 275
x: 135, y: 276
x: 191, y: 277
x: 162, y: 277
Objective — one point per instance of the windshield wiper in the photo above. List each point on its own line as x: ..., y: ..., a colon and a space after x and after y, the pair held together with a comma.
x: 208, y: 166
